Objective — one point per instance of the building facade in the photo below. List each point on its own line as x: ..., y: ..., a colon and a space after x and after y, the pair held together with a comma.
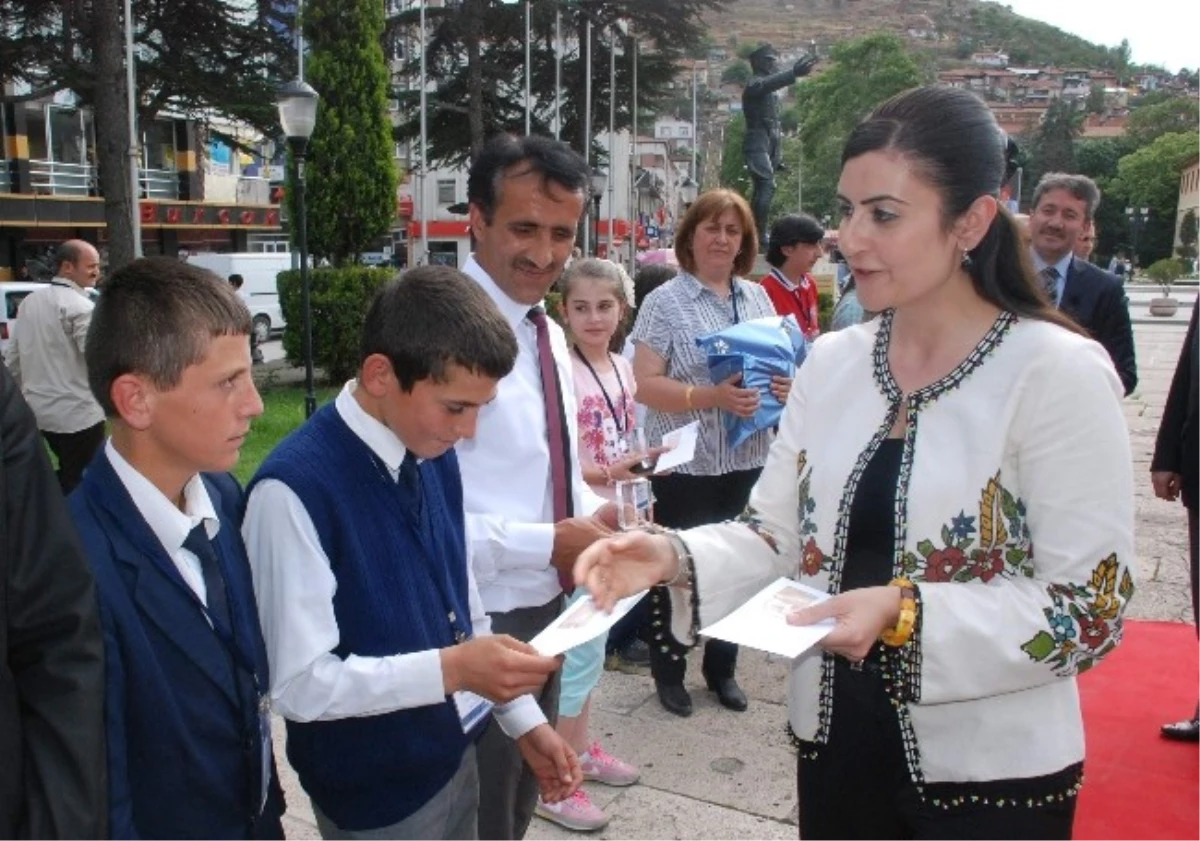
x: 49, y: 191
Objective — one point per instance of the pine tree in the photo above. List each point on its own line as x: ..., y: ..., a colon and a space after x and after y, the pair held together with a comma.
x: 352, y: 170
x: 476, y: 58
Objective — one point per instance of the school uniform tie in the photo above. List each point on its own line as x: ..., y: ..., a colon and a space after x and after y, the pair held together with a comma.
x: 410, y: 478
x: 556, y: 431
x: 1049, y: 277
x: 221, y: 615
x: 198, y: 544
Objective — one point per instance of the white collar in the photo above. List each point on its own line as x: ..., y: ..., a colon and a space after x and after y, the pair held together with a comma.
x: 787, y: 284
x: 1063, y: 266
x: 381, y: 440
x: 170, y: 525
x: 59, y: 280
x: 513, y: 311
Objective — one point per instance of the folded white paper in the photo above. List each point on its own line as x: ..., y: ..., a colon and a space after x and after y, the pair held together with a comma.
x: 579, y: 623
x: 682, y: 443
x: 762, y: 622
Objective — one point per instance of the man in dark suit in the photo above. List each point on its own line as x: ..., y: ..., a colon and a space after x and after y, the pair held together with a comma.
x: 188, y: 726
x: 51, y: 652
x: 1175, y: 473
x: 1063, y: 208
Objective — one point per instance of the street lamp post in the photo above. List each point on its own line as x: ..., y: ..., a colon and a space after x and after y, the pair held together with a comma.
x: 1138, y: 217
x: 298, y: 115
x: 688, y: 190
x: 599, y: 182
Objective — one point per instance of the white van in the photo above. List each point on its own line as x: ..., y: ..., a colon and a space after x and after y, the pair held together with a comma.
x: 260, y: 291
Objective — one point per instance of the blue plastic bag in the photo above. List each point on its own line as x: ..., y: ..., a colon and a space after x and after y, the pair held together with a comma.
x: 758, y: 349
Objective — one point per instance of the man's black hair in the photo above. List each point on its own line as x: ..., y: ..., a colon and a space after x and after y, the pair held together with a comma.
x: 506, y: 155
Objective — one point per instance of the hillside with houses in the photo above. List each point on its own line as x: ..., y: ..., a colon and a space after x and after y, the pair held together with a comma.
x: 1020, y: 66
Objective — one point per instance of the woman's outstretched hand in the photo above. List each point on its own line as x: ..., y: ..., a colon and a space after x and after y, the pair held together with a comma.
x: 859, y: 616
x: 620, y: 566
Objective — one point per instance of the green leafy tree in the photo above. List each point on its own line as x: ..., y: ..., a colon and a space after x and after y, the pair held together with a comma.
x: 351, y: 172
x: 1098, y: 159
x: 1150, y: 122
x: 1149, y: 178
x: 1095, y: 100
x: 1052, y: 148
x: 862, y: 74
x: 733, y: 168
x: 1188, y: 234
x: 737, y: 73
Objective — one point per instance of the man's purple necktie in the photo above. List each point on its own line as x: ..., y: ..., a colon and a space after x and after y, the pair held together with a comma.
x: 556, y: 431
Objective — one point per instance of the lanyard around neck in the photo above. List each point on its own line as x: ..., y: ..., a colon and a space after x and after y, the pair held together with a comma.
x: 612, y: 410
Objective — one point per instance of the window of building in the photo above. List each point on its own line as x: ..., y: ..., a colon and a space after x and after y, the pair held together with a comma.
x: 446, y: 191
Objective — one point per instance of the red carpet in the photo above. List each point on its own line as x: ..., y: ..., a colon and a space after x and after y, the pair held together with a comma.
x: 1137, y: 784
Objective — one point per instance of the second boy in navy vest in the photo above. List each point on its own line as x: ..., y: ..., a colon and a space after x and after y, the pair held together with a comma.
x: 376, y: 638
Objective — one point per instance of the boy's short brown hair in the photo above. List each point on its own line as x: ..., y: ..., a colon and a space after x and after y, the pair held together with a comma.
x: 155, y: 317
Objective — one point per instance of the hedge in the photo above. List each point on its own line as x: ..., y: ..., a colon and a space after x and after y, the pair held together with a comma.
x: 339, y: 298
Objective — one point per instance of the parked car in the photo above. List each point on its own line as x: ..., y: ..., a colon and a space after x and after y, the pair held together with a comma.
x: 11, y: 296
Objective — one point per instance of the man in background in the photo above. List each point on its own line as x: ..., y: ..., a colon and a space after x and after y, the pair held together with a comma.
x: 237, y: 281
x: 1063, y: 207
x: 45, y: 356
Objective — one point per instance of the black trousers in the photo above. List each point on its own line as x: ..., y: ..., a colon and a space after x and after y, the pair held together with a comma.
x: 1193, y: 538
x: 858, y: 784
x: 507, y: 788
x: 682, y: 501
x: 74, y: 451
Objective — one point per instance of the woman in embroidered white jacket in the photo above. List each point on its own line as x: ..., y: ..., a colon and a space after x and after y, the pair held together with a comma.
x: 969, y: 440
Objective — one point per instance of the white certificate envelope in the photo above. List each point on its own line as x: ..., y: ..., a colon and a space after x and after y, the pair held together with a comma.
x: 579, y: 623
x: 682, y: 443
x: 762, y: 622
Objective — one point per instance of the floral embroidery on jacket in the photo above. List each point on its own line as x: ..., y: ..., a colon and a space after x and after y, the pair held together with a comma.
x: 812, y: 559
x: 1003, y: 545
x: 1085, y: 621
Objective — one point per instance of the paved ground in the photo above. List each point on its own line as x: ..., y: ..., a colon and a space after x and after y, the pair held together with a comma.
x: 726, y: 775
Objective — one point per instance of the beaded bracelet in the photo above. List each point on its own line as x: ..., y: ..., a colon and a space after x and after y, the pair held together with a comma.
x: 898, y: 636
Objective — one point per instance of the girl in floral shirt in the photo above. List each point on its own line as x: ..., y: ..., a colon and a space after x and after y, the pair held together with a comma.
x: 594, y: 299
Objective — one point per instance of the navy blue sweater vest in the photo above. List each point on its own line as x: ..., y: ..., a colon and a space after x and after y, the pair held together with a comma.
x: 395, y: 588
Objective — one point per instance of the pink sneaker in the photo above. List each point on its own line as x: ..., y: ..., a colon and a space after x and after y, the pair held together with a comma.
x: 602, y: 767
x: 577, y: 812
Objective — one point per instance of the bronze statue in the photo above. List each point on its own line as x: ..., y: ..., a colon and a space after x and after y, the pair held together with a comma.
x: 762, y: 148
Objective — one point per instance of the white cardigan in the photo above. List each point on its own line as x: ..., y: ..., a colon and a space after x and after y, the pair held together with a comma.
x: 1014, y: 516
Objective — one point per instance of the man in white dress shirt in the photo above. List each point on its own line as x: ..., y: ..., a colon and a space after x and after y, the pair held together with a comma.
x: 526, y: 197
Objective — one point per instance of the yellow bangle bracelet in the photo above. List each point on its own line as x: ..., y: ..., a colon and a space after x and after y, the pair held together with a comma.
x: 902, y: 633
x: 687, y: 397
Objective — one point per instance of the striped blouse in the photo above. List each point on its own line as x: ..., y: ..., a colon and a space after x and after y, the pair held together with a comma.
x: 669, y: 321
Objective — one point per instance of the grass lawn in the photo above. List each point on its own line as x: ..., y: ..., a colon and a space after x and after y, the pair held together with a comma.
x: 283, y: 411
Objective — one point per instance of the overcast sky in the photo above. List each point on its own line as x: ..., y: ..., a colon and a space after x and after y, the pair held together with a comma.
x: 1159, y: 31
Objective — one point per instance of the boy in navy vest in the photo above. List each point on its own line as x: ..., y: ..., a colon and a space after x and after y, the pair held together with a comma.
x: 189, y: 741
x: 383, y: 662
